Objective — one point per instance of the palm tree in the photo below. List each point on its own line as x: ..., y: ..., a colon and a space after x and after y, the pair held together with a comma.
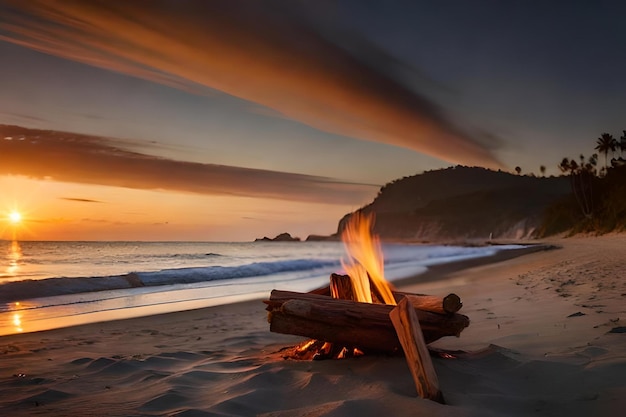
x: 567, y: 165
x: 622, y: 143
x: 591, y: 164
x: 581, y: 180
x: 605, y: 143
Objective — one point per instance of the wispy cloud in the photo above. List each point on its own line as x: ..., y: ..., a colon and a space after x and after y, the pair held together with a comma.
x: 89, y: 159
x: 258, y: 51
x: 81, y: 200
x: 23, y: 117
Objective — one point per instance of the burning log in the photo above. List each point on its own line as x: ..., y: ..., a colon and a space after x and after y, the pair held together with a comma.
x: 351, y: 323
x: 409, y: 332
x: 340, y: 287
x: 449, y: 304
x: 356, y: 313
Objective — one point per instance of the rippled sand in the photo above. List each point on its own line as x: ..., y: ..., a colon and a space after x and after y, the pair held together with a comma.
x: 547, y: 338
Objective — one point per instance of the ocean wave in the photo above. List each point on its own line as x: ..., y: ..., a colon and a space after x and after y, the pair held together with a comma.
x: 399, y: 259
x: 192, y: 275
x: 28, y: 289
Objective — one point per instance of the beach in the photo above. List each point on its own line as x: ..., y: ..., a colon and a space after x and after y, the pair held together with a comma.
x: 547, y: 337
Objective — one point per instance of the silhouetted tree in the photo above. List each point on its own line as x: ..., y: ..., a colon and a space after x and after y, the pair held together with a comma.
x: 542, y: 169
x: 592, y: 164
x: 518, y: 170
x: 604, y: 144
x: 622, y: 143
x: 581, y: 180
x: 566, y: 166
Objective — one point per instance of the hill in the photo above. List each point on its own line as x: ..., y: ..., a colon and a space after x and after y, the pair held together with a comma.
x: 463, y: 203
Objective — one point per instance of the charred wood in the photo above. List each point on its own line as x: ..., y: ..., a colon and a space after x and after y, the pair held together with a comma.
x: 351, y: 323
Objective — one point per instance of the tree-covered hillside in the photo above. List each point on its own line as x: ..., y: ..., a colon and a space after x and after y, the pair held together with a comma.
x: 463, y: 203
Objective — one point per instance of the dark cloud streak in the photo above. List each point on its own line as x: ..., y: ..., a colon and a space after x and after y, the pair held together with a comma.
x: 81, y: 200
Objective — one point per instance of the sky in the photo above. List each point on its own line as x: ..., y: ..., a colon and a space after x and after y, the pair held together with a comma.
x: 230, y: 120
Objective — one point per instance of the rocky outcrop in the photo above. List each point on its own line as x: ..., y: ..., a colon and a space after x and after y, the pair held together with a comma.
x: 322, y: 238
x: 283, y: 237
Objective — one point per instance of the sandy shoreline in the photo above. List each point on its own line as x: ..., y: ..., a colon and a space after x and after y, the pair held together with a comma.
x: 529, y: 357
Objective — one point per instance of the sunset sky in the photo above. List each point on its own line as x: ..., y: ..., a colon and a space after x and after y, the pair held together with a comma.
x: 230, y: 120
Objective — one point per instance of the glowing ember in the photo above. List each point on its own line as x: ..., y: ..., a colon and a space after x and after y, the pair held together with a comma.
x: 304, y: 347
x: 365, y: 265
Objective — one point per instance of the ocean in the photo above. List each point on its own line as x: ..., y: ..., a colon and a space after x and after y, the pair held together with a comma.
x: 46, y: 285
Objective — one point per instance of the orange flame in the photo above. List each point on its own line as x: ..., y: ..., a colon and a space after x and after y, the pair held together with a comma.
x: 365, y: 265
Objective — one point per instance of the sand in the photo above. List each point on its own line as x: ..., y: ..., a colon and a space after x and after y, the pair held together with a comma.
x: 546, y: 339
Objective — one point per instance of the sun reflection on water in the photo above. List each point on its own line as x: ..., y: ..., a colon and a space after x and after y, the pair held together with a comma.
x: 17, y: 322
x: 14, y: 257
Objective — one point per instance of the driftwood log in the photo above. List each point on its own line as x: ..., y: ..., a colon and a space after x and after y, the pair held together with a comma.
x: 407, y: 325
x: 351, y: 323
x: 449, y: 304
x: 340, y: 287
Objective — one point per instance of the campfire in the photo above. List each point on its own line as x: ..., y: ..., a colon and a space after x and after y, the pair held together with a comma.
x: 359, y: 312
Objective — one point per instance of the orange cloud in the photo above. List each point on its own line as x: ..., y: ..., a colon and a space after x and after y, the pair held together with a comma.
x: 70, y: 157
x: 258, y: 51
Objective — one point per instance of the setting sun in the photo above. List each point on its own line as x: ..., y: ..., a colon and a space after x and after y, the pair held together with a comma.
x: 15, y: 217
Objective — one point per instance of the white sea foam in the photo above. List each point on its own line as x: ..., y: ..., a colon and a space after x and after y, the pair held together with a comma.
x: 217, y: 274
